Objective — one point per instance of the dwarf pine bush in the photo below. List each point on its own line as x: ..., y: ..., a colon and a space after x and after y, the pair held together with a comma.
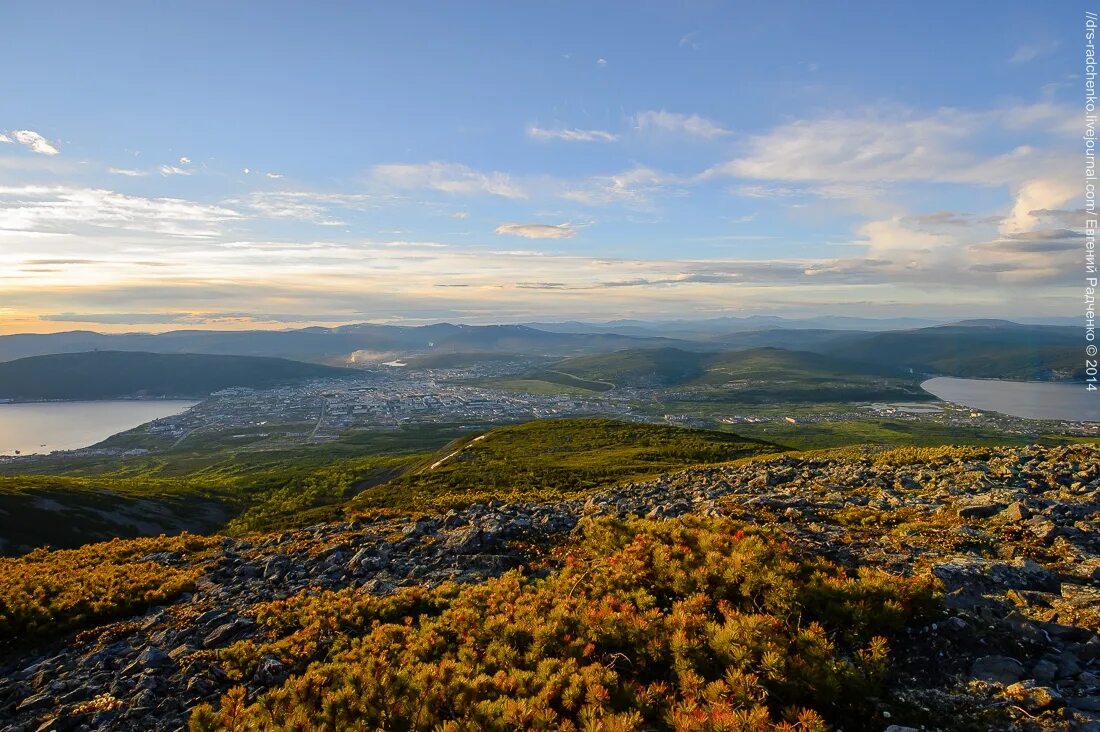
x: 48, y: 592
x: 690, y: 624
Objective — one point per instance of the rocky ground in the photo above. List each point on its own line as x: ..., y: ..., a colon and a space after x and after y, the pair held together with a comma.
x: 1010, y: 532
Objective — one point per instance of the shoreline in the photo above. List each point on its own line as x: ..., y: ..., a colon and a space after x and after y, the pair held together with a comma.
x: 195, y: 399
x: 68, y: 425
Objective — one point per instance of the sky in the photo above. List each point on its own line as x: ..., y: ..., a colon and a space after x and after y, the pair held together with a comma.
x: 276, y: 164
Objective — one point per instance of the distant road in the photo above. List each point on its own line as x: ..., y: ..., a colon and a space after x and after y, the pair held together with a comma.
x: 320, y: 418
x: 184, y: 436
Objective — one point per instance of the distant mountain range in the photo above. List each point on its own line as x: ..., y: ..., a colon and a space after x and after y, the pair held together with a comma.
x: 115, y: 374
x: 344, y: 344
x: 986, y: 348
x: 724, y: 325
x: 717, y: 326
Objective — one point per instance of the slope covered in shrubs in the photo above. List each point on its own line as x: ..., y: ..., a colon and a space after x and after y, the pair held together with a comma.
x: 692, y: 624
x: 50, y: 592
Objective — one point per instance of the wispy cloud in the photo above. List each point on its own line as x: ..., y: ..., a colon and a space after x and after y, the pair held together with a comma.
x: 173, y: 170
x: 65, y: 209
x: 570, y: 134
x: 32, y: 141
x: 448, y: 178
x: 1032, y: 51
x: 879, y: 146
x: 128, y: 172
x: 690, y: 40
x: 637, y: 187
x: 538, y: 231
x: 678, y: 124
x: 312, y: 206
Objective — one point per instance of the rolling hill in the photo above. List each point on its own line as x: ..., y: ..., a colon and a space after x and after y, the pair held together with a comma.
x: 753, y: 376
x: 114, y: 374
x: 237, y: 492
x: 674, y: 367
x: 976, y: 348
x: 363, y: 342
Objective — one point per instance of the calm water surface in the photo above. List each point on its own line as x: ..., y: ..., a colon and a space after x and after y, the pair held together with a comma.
x: 1032, y: 400
x: 45, y: 427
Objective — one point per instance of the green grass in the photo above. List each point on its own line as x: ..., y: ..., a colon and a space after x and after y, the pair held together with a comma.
x: 219, y: 482
x: 875, y: 432
x: 214, y: 483
x: 552, y: 458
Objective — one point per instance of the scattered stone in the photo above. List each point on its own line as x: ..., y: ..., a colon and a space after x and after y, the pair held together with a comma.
x: 1044, y: 671
x: 1085, y: 703
x: 980, y: 511
x: 981, y: 574
x: 998, y: 669
x: 1043, y: 529
x: 1015, y: 512
x: 224, y: 633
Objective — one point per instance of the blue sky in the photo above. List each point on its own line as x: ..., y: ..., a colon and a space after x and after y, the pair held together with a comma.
x: 274, y: 164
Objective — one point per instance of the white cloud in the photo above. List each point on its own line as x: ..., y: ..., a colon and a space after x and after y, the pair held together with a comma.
x: 601, y: 61
x: 34, y: 141
x: 538, y: 231
x: 246, y: 171
x: 173, y: 170
x: 274, y: 176
x: 571, y: 135
x: 448, y: 178
x: 636, y: 187
x: 518, y: 253
x: 88, y: 211
x: 314, y: 207
x: 878, y: 146
x: 128, y: 172
x: 675, y: 123
x: 5, y: 138
x: 1032, y: 51
x: 461, y: 214
x: 415, y: 245
x: 1035, y: 196
x: 185, y: 160
x: 867, y: 158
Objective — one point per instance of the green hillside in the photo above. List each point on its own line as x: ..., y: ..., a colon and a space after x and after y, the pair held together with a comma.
x: 984, y: 349
x: 754, y: 376
x: 220, y: 488
x: 550, y: 458
x: 114, y: 374
x: 674, y: 367
x: 638, y: 367
x: 775, y: 363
